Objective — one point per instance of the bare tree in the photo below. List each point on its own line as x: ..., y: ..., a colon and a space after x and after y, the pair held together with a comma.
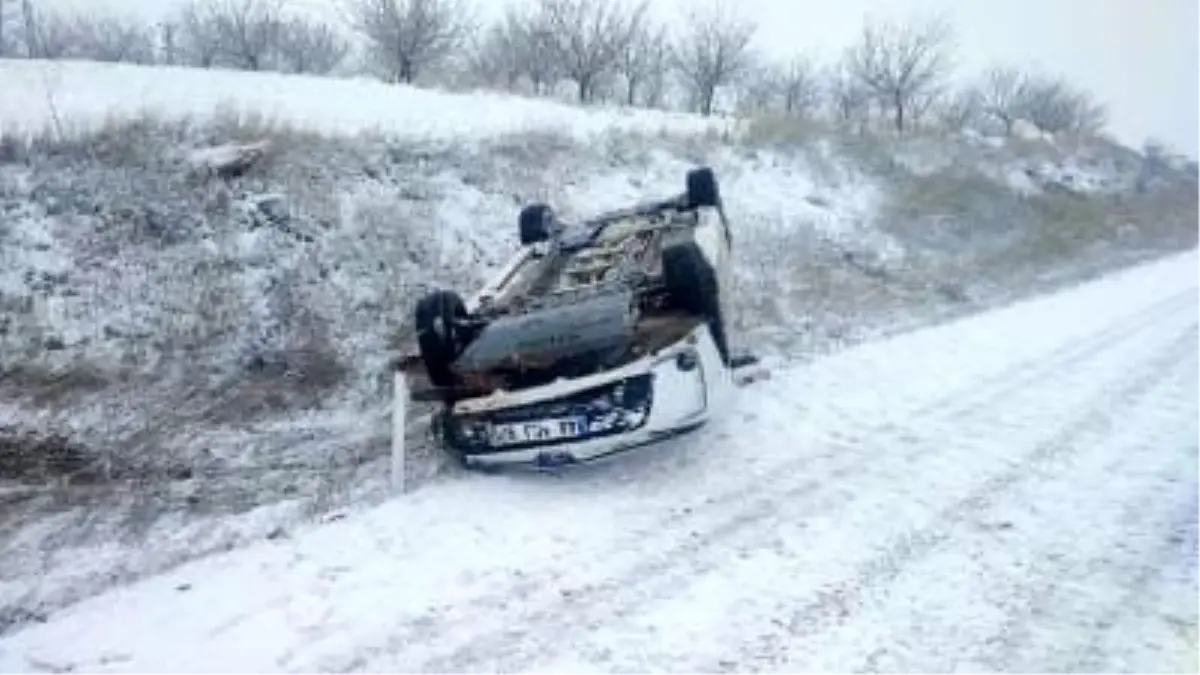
x: 492, y: 58
x: 533, y: 41
x: 55, y: 35
x: 198, y: 35
x: 8, y: 27
x: 849, y: 98
x: 310, y: 47
x: 643, y: 62
x: 654, y: 88
x: 408, y: 36
x: 168, y: 32
x: 633, y: 63
x: 588, y: 37
x: 960, y: 111
x: 28, y: 25
x: 1155, y: 150
x: 712, y: 49
x: 1002, y: 91
x: 112, y: 39
x: 516, y: 46
x: 924, y: 106
x: 759, y: 89
x: 900, y: 64
x: 1054, y: 106
x: 249, y: 31
x: 46, y: 36
x: 800, y: 87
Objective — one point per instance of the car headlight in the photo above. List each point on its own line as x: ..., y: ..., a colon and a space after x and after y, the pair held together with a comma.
x: 472, y: 430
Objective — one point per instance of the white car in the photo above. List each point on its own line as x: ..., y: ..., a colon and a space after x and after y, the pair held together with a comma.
x: 597, y: 337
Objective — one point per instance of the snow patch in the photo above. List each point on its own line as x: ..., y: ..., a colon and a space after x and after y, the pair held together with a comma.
x: 84, y: 94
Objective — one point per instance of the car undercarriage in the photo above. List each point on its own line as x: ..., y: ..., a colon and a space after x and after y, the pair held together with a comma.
x: 601, y: 334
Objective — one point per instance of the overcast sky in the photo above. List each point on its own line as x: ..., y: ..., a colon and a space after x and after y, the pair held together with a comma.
x: 1138, y: 56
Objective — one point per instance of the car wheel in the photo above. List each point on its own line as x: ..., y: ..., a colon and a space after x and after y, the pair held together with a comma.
x: 702, y: 189
x: 440, y: 337
x: 692, y: 286
x: 535, y: 223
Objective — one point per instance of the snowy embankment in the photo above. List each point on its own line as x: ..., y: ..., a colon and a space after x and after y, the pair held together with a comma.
x: 82, y: 95
x: 190, y: 362
x: 1013, y: 491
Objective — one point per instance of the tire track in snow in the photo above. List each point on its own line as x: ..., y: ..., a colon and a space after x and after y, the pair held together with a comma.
x: 1149, y: 565
x: 975, y: 396
x: 1007, y: 645
x: 836, y: 603
x: 1133, y: 602
x: 674, y: 557
x: 1050, y: 563
x: 1070, y: 353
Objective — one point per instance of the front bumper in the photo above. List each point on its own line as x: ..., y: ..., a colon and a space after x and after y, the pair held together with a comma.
x: 581, y: 420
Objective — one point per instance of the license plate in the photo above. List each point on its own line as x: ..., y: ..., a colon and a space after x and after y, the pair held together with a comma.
x: 538, y: 431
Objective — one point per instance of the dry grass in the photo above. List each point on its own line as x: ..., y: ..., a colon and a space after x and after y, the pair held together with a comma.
x: 47, y: 387
x: 159, y: 285
x: 781, y: 131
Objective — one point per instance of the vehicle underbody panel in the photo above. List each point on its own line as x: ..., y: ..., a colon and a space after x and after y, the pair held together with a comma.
x: 614, y: 346
x: 599, y: 325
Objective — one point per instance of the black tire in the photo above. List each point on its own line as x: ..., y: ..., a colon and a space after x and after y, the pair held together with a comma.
x: 692, y: 286
x: 535, y: 223
x: 702, y: 189
x: 439, y: 337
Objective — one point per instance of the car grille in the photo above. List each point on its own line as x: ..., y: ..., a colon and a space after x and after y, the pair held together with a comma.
x: 612, y: 408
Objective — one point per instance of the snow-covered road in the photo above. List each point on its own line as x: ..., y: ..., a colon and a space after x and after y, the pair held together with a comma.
x: 1015, y: 491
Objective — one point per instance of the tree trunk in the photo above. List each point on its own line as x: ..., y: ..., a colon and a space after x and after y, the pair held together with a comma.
x: 706, y: 101
x: 31, y: 37
x: 168, y: 37
x: 898, y: 102
x: 630, y: 90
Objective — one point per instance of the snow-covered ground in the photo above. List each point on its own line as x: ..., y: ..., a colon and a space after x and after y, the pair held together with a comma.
x: 1013, y: 491
x: 204, y: 357
x: 78, y: 95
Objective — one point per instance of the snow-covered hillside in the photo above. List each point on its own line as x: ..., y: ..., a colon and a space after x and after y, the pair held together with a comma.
x: 1033, y: 508
x: 197, y: 360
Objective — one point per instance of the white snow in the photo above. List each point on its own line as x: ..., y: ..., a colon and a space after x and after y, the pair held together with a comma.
x: 470, y: 552
x: 453, y: 230
x: 1014, y: 491
x: 80, y: 94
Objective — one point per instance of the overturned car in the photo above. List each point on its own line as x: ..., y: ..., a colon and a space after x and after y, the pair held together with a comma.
x: 597, y: 337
